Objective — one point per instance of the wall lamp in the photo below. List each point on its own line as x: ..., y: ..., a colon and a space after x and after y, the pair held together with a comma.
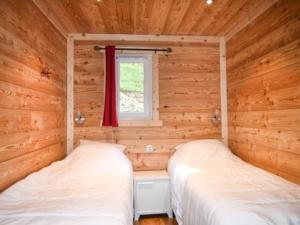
x: 79, y: 119
x: 216, y: 117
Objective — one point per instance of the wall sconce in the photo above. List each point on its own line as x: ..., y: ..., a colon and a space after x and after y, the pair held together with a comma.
x: 216, y: 117
x: 79, y: 119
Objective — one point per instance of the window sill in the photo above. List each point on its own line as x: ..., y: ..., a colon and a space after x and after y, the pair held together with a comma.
x: 141, y: 123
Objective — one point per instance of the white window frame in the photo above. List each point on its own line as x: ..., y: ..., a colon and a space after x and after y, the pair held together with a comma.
x: 145, y: 58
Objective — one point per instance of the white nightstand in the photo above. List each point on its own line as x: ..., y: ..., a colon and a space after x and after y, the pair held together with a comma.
x: 151, y: 193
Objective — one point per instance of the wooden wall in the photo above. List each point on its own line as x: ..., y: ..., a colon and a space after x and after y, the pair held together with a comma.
x: 264, y: 90
x: 32, y: 91
x: 189, y: 92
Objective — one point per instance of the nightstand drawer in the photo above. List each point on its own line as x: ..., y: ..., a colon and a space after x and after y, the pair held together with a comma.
x: 152, y: 196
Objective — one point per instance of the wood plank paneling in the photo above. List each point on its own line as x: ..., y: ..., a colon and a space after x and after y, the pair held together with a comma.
x: 32, y: 91
x: 264, y: 90
x: 180, y: 17
x: 189, y: 92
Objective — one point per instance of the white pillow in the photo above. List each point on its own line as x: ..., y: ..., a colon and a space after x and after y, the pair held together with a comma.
x: 103, y: 144
x: 195, y: 145
x: 197, y: 152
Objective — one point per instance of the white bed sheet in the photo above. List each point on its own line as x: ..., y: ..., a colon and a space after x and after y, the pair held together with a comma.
x: 224, y: 190
x: 92, y: 186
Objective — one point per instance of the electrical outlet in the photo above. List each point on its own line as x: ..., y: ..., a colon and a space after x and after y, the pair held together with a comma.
x: 149, y: 148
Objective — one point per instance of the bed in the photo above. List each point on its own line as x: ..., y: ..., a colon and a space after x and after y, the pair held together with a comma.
x: 212, y: 186
x: 92, y: 186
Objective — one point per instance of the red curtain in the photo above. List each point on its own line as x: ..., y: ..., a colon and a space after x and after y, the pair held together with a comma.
x: 110, y: 111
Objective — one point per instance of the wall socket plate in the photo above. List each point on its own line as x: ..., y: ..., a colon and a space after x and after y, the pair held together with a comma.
x: 149, y: 148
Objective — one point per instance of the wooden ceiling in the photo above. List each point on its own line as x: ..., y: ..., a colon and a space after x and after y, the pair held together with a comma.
x: 168, y: 17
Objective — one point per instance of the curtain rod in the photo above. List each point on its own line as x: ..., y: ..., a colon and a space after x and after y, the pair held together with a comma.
x: 98, y: 48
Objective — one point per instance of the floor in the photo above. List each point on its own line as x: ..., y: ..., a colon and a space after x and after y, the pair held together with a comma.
x: 155, y: 220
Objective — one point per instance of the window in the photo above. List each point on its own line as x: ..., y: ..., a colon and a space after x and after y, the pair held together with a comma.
x: 134, y: 86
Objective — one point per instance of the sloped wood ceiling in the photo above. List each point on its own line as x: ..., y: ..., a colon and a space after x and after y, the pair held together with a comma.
x: 168, y: 17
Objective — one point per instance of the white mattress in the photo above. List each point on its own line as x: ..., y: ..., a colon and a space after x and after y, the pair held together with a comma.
x: 221, y: 189
x: 92, y: 186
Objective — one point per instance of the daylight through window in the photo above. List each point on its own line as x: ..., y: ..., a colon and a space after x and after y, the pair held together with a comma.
x: 134, y: 86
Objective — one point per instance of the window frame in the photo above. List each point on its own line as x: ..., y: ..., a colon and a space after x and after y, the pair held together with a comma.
x: 145, y: 58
